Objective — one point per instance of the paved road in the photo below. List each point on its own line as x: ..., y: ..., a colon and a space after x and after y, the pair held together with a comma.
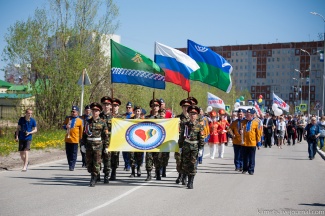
x: 285, y: 182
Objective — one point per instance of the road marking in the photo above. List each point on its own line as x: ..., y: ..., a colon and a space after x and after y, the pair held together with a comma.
x: 122, y: 195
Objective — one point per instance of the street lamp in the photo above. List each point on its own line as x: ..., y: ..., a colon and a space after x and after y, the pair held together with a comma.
x: 300, y: 84
x: 317, y: 14
x: 305, y: 51
x: 297, y: 94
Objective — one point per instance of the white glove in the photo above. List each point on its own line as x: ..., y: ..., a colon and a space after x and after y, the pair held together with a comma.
x: 180, y: 150
x: 106, y: 150
x: 200, y: 152
x: 83, y: 149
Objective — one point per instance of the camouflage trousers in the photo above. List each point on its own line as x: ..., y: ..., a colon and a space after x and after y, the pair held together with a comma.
x: 93, y: 158
x: 110, y: 160
x: 157, y: 159
x: 136, y: 158
x: 114, y: 159
x: 178, y: 158
x: 189, y: 157
x: 106, y: 162
x: 164, y: 158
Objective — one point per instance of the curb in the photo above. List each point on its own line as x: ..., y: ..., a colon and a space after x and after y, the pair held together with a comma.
x: 321, y: 153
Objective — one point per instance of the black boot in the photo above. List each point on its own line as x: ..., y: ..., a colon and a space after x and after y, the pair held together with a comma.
x: 148, y: 176
x: 133, y: 172
x: 163, y: 172
x: 113, y: 175
x: 158, y: 177
x: 184, y: 179
x: 190, y: 181
x: 178, y: 180
x: 98, y: 177
x: 93, y: 180
x: 106, y: 179
x: 138, y: 171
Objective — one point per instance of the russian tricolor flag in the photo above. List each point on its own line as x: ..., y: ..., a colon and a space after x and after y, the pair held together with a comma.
x: 177, y: 65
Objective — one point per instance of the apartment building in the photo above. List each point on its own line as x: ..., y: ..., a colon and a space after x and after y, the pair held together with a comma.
x: 281, y: 68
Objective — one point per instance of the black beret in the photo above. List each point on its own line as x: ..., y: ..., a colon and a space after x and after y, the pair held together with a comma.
x: 96, y: 106
x: 193, y: 99
x: 185, y: 102
x: 155, y: 101
x: 106, y: 99
x: 194, y: 109
x: 116, y: 101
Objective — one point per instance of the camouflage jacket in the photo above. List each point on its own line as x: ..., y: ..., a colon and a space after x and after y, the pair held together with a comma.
x: 95, y: 129
x: 183, y: 119
x: 191, y: 132
x: 153, y: 117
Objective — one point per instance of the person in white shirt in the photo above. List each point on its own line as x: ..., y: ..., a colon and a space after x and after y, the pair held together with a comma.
x: 281, y: 131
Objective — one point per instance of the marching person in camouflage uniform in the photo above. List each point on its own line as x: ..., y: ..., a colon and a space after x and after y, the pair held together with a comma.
x: 191, y: 141
x: 106, y: 115
x: 96, y: 139
x: 114, y: 154
x: 136, y: 158
x: 184, y: 117
x: 152, y: 157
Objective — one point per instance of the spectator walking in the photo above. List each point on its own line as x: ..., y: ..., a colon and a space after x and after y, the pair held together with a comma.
x: 26, y: 127
x: 321, y: 124
x: 301, y: 124
x: 312, y: 133
x: 281, y: 131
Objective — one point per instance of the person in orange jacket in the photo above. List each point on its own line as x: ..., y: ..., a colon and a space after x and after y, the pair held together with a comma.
x: 235, y: 129
x: 74, y: 126
x: 252, y: 130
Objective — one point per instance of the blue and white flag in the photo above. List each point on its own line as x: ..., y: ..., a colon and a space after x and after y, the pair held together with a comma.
x: 283, y: 105
x: 215, y: 101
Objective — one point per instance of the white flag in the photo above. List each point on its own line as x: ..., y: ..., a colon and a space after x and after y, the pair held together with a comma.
x: 215, y: 101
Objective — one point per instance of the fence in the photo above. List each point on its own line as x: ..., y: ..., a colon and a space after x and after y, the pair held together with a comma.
x: 8, y: 112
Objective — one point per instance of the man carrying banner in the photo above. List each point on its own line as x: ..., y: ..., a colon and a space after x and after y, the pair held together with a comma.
x: 191, y: 141
x: 96, y: 138
x: 127, y: 115
x: 106, y: 115
x: 114, y: 154
x: 152, y: 157
x: 136, y: 158
x: 184, y: 117
x: 163, y: 155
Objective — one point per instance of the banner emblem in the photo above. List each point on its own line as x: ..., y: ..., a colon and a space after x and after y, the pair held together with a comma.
x: 145, y: 135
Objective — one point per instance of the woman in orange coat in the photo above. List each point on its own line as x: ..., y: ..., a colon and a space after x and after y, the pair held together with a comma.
x: 214, y: 133
x: 224, y: 124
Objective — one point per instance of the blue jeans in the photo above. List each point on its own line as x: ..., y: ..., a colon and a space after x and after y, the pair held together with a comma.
x: 71, y: 150
x: 199, y: 159
x: 238, y: 160
x: 312, y: 148
x: 321, y: 142
x: 249, y: 158
x: 126, y: 158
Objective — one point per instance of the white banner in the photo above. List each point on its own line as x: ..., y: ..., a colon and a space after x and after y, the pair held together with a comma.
x: 215, y: 101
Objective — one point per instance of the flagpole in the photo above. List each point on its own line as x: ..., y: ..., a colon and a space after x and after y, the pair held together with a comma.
x: 154, y: 59
x: 82, y: 90
x: 112, y: 89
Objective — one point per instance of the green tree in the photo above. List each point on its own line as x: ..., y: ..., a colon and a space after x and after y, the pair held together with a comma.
x: 59, y: 43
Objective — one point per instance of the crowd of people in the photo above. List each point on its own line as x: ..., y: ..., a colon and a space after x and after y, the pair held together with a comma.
x: 216, y: 128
